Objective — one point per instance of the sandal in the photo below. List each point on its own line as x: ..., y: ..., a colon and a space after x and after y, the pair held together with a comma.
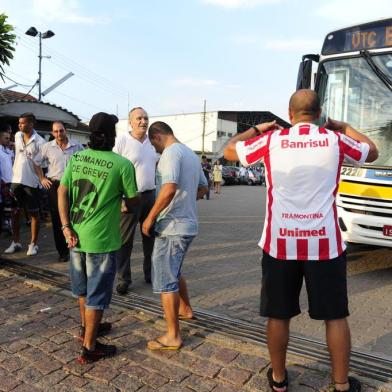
x: 355, y: 385
x: 274, y: 385
x: 158, y: 345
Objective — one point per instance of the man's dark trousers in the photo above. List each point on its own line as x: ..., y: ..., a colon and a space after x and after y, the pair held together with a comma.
x: 129, y: 222
x: 59, y: 239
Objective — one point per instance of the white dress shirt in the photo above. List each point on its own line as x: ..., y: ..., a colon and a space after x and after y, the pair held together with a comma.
x: 56, y: 157
x: 143, y: 157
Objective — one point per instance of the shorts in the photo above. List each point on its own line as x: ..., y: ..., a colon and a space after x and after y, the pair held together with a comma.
x: 26, y: 196
x: 92, y: 277
x: 167, y: 257
x: 326, y: 286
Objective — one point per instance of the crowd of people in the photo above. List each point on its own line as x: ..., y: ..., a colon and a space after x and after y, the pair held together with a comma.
x: 99, y: 195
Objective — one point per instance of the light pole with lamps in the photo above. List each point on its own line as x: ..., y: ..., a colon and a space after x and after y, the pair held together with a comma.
x: 33, y: 32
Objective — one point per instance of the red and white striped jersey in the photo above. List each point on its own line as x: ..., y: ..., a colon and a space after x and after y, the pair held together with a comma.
x: 302, y: 175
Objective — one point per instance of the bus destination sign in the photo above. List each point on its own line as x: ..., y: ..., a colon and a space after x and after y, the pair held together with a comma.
x: 373, y: 35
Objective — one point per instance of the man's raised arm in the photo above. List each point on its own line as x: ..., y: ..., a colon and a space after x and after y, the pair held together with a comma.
x: 230, y: 152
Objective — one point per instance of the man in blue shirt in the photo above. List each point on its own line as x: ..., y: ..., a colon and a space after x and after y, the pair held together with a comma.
x: 180, y: 182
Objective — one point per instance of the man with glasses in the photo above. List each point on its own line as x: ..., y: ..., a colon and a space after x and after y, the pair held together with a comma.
x: 56, y: 154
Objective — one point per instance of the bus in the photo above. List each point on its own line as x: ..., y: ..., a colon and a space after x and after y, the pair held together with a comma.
x: 353, y: 79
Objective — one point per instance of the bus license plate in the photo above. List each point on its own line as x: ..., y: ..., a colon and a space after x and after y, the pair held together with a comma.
x: 387, y: 231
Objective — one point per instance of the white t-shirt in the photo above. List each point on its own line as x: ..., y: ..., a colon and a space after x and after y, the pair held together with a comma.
x: 302, y: 166
x: 143, y: 157
x: 23, y: 171
x: 6, y: 164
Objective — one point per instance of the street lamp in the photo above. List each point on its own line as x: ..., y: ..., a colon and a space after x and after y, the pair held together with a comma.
x: 33, y: 32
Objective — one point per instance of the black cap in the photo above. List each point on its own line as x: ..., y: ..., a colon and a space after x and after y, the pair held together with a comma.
x: 103, y: 123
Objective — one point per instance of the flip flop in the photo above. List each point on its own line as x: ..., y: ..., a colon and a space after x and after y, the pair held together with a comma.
x: 186, y: 318
x: 354, y: 385
x: 183, y: 317
x: 161, y: 346
x: 274, y: 385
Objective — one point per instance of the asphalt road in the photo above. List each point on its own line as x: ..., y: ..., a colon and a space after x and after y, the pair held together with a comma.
x: 223, y: 270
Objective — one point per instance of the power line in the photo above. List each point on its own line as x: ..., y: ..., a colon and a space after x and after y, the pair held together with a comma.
x: 21, y: 76
x: 92, y: 77
x: 199, y: 136
x: 29, y: 91
x: 18, y: 83
x: 78, y: 100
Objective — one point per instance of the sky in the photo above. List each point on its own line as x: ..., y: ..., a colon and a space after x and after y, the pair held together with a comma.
x: 169, y: 56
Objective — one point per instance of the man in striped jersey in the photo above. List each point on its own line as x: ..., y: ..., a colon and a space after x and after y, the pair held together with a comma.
x: 301, y: 236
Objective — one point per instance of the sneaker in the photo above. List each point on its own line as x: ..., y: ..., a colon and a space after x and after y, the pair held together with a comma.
x: 101, y: 351
x: 103, y: 329
x: 122, y: 288
x: 14, y: 247
x: 32, y: 250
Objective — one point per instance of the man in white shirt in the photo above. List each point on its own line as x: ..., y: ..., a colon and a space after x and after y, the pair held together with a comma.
x: 301, y: 236
x: 56, y: 154
x: 136, y: 147
x: 242, y: 174
x: 5, y: 156
x: 5, y: 167
x: 25, y: 182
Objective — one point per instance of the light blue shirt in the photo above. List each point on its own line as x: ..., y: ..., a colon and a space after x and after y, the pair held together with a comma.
x: 180, y: 165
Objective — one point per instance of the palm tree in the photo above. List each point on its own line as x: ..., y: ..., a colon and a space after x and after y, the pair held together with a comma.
x: 7, y: 40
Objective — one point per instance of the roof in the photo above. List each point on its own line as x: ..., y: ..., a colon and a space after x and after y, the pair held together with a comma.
x: 13, y: 103
x: 9, y: 95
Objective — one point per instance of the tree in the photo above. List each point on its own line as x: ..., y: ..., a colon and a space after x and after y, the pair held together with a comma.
x: 7, y: 41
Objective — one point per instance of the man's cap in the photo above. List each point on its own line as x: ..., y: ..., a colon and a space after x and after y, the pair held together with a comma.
x: 102, y: 123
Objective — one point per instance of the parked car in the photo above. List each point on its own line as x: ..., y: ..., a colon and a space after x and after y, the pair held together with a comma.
x: 230, y: 175
x: 254, y: 177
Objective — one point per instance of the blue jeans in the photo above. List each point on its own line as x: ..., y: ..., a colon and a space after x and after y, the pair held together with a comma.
x: 167, y: 257
x: 92, y: 276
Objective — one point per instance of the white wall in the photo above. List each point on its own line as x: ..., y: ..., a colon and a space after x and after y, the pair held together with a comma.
x: 226, y: 130
x: 78, y: 136
x: 122, y: 126
x: 188, y: 128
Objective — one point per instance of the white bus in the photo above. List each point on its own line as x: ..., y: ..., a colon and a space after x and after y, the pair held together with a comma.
x: 354, y: 83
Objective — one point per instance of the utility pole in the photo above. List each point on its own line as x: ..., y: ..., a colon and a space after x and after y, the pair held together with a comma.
x: 39, y: 67
x: 204, y: 128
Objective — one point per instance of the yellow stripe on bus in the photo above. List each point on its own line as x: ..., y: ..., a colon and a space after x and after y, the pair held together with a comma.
x: 367, y: 190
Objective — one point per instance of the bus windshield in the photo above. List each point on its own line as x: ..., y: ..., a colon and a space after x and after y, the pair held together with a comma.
x: 351, y: 91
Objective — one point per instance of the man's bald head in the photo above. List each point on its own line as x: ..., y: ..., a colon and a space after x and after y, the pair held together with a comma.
x: 304, y: 104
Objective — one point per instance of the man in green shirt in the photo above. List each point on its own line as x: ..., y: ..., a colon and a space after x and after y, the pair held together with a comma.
x: 89, y: 199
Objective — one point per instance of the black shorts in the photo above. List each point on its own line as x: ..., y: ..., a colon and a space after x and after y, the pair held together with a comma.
x: 326, y: 286
x: 26, y: 196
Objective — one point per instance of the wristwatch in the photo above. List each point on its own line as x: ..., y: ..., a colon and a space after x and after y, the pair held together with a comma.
x: 256, y: 129
x: 64, y: 226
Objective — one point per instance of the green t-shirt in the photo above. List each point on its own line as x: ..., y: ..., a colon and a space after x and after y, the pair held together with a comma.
x: 96, y: 182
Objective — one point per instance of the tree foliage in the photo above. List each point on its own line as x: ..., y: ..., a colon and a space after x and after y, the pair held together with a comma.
x: 7, y: 41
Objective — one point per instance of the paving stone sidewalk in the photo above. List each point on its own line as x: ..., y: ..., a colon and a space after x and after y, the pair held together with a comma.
x: 38, y: 348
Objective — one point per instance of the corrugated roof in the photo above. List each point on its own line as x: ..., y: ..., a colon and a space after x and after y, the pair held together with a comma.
x: 4, y: 102
x: 10, y: 95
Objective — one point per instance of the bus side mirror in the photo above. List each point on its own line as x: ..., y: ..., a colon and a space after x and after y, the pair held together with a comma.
x: 304, y: 78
